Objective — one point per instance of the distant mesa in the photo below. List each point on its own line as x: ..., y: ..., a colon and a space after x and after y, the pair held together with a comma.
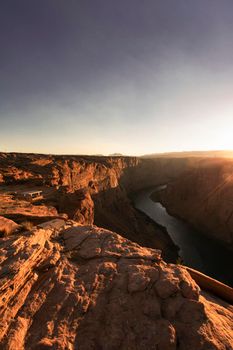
x: 116, y: 155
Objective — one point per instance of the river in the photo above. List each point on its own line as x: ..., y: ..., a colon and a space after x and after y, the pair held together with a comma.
x: 196, y: 250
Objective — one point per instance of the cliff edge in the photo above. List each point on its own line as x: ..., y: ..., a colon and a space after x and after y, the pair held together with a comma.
x: 88, y: 190
x: 69, y: 286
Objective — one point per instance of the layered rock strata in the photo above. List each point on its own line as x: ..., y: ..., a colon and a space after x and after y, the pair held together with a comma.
x: 203, y: 197
x: 67, y: 286
x: 89, y: 189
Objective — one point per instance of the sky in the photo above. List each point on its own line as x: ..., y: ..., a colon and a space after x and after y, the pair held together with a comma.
x: 127, y: 76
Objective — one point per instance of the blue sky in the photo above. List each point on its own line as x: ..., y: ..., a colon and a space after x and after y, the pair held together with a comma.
x: 104, y: 76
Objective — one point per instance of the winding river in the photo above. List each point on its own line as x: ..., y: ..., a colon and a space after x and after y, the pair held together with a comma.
x: 196, y: 250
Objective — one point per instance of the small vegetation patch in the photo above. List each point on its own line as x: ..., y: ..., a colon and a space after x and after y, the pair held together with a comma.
x: 179, y: 261
x: 27, y: 225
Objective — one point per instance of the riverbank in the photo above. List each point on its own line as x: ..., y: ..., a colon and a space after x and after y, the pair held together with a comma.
x: 196, y: 250
x: 158, y: 196
x: 161, y: 238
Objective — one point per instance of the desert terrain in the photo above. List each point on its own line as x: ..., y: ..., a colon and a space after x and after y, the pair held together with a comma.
x: 78, y: 258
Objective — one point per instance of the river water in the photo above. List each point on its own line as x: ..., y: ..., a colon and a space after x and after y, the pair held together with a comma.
x: 196, y: 250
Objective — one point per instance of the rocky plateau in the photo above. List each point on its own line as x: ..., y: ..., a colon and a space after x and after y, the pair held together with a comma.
x: 69, y: 286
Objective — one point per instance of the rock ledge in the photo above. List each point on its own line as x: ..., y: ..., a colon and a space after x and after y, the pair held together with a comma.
x: 67, y: 286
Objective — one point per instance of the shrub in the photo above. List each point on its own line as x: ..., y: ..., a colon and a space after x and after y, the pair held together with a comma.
x: 7, y: 227
x: 27, y: 225
x: 179, y: 261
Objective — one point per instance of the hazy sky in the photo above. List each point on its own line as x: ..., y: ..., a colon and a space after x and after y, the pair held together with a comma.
x: 104, y: 76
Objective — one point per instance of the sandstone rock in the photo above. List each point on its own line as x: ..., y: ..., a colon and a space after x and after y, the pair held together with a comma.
x: 68, y: 286
x: 7, y: 226
x: 84, y: 213
x: 90, y: 189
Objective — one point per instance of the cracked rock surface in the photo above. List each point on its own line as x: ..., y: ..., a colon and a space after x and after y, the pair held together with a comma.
x: 68, y: 286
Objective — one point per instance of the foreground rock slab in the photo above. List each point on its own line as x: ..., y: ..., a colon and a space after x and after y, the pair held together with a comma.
x: 7, y: 226
x: 67, y: 286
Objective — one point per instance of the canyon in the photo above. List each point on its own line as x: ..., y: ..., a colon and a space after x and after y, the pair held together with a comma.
x: 203, y: 196
x: 82, y: 268
x: 89, y: 190
x: 98, y: 190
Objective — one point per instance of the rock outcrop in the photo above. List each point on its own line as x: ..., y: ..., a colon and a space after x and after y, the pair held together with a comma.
x: 95, y: 173
x: 68, y: 286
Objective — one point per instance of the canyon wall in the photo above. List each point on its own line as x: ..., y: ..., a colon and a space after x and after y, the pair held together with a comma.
x: 97, y: 189
x: 95, y: 173
x: 92, y: 189
x: 203, y: 197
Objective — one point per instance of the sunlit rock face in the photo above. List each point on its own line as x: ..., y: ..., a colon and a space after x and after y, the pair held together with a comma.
x: 84, y: 212
x: 203, y: 197
x: 88, y: 190
x: 98, y: 174
x: 70, y: 172
x: 68, y: 286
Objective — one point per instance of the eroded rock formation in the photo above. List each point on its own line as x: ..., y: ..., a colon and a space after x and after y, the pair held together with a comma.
x: 88, y: 189
x: 68, y: 286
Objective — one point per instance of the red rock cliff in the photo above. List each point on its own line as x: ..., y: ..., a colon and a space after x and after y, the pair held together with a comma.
x: 94, y: 189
